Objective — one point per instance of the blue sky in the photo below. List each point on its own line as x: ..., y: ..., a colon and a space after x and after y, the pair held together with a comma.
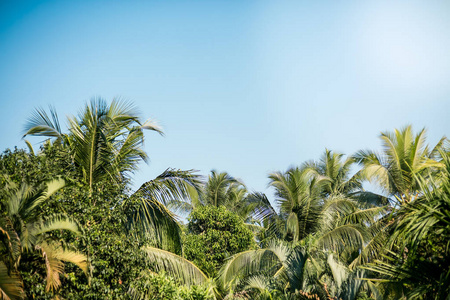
x: 247, y: 87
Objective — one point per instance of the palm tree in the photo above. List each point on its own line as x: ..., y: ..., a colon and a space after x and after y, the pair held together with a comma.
x: 332, y: 222
x: 306, y: 212
x: 336, y: 174
x: 298, y: 195
x: 26, y: 224
x: 105, y: 141
x: 405, y: 156
x: 417, y: 263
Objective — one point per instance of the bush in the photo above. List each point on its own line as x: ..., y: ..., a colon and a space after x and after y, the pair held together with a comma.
x: 214, y: 233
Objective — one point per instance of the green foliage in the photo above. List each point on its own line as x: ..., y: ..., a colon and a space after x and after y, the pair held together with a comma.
x: 115, y: 256
x: 404, y: 157
x: 418, y: 263
x: 20, y: 166
x: 214, y: 233
x: 160, y: 286
x: 97, y: 240
x: 149, y: 218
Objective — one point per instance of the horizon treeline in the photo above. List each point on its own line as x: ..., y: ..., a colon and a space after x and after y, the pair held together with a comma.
x: 71, y: 227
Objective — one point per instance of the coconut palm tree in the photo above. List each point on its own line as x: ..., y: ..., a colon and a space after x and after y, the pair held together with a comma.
x: 339, y: 180
x: 298, y: 195
x: 306, y: 212
x: 405, y: 156
x: 335, y: 173
x: 106, y: 143
x: 417, y: 264
x: 331, y: 222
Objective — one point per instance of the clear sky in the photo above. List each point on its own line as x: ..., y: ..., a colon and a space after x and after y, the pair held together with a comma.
x: 247, y: 87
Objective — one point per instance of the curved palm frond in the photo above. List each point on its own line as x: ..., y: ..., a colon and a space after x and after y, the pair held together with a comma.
x: 51, y: 223
x: 263, y: 284
x: 182, y: 269
x: 349, y: 235
x: 11, y: 285
x: 40, y: 124
x: 252, y: 262
x: 146, y: 211
x: 10, y: 244
x: 25, y: 200
x: 54, y: 255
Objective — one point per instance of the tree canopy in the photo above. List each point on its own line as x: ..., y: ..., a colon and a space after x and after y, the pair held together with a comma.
x: 72, y: 227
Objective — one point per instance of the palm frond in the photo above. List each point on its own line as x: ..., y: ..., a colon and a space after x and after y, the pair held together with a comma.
x: 149, y: 218
x: 10, y: 244
x: 56, y: 222
x: 349, y: 235
x: 11, y: 285
x: 53, y: 256
x: 40, y: 124
x: 30, y: 201
x: 146, y: 210
x: 182, y: 269
x: 252, y: 262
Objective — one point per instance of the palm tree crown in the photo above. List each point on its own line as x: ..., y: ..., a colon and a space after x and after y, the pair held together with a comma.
x: 405, y: 156
x: 105, y: 141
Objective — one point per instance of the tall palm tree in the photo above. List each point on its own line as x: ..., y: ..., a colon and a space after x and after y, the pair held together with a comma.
x: 405, y: 156
x: 24, y: 216
x: 105, y: 141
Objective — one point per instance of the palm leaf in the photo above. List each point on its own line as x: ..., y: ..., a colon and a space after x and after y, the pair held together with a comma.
x: 182, y: 269
x: 11, y: 285
x: 146, y: 211
x: 56, y: 222
x: 252, y: 262
x: 54, y: 256
x: 10, y: 246
x: 40, y: 124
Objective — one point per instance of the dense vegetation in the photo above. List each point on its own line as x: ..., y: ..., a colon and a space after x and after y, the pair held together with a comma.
x: 72, y: 228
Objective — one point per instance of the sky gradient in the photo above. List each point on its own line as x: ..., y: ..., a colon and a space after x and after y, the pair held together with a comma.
x: 247, y: 87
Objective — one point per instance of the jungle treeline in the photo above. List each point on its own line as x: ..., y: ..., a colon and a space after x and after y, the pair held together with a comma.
x: 72, y: 227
